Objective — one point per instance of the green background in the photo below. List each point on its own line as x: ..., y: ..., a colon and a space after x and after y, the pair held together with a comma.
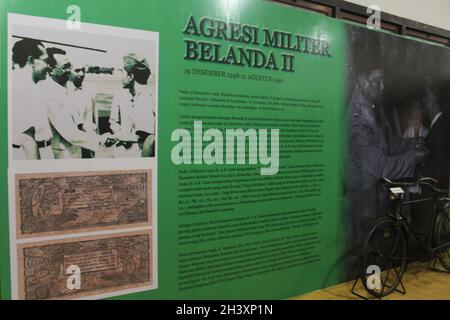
x: 315, y: 77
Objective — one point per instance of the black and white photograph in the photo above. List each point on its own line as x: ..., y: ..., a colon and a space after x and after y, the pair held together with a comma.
x: 83, y: 93
x: 397, y: 122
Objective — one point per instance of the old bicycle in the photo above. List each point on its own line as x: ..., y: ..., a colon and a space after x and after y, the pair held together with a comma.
x: 386, y: 245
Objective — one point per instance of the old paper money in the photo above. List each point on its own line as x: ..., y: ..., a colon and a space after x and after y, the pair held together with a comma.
x: 55, y: 203
x: 105, y: 264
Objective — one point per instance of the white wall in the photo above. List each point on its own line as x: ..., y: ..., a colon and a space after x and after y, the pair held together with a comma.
x: 432, y: 12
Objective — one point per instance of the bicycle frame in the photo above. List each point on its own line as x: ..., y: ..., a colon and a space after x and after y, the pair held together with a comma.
x: 403, y: 222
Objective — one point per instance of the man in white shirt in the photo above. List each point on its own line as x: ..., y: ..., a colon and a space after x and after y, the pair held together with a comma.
x: 67, y: 139
x: 31, y: 130
x: 132, y: 118
x: 81, y: 106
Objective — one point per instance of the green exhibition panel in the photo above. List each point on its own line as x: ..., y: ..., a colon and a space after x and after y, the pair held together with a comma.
x: 202, y: 149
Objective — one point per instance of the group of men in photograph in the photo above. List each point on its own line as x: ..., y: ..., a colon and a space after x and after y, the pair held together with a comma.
x: 54, y: 116
x: 376, y: 151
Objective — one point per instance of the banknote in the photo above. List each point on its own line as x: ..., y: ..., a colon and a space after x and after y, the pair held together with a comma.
x: 54, y: 203
x: 80, y: 267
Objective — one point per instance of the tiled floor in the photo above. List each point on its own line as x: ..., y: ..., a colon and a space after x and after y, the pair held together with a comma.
x: 420, y: 283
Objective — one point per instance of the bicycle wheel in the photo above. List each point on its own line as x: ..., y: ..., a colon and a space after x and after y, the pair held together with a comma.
x: 385, y: 251
x: 442, y: 239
